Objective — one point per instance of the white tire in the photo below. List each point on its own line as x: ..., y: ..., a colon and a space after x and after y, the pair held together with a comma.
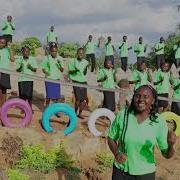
x: 95, y: 115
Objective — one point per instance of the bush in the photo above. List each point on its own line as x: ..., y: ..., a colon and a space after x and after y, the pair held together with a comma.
x: 35, y: 158
x: 68, y: 50
x: 105, y: 161
x: 14, y: 174
x: 32, y: 43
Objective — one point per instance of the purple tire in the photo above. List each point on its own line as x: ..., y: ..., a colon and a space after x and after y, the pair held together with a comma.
x: 21, y: 104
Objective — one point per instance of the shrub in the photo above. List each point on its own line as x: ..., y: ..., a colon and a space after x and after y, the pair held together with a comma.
x: 14, y: 174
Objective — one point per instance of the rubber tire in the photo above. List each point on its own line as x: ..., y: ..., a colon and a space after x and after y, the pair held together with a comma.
x: 172, y: 116
x: 96, y: 114
x: 12, y: 103
x: 59, y: 108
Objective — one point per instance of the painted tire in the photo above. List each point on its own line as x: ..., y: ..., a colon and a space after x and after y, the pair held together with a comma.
x: 59, y: 108
x: 172, y: 116
x: 96, y: 114
x: 12, y: 103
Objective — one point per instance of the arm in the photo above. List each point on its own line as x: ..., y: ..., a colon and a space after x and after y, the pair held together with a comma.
x: 32, y: 68
x: 12, y: 59
x: 20, y: 68
x: 171, y: 139
x: 130, y: 48
x: 5, y: 26
x: 121, y: 45
x: 13, y: 28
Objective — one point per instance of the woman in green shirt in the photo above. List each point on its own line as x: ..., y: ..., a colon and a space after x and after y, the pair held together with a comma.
x: 5, y: 57
x: 77, y: 73
x: 176, y: 49
x: 134, y: 134
x: 52, y: 67
x: 26, y: 64
x: 107, y: 78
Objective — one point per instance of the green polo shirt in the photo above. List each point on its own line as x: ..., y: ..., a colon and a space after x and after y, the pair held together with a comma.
x: 51, y: 65
x: 164, y: 86
x: 140, y: 141
x: 25, y: 70
x: 177, y: 51
x: 158, y: 47
x: 176, y: 93
x: 90, y: 47
x: 109, y: 49
x: 140, y: 49
x: 80, y: 66
x: 51, y: 36
x: 8, y: 30
x: 138, y: 75
x: 4, y: 58
x: 123, y: 49
x: 109, y: 73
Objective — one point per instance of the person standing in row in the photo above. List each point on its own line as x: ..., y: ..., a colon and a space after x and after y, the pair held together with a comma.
x: 8, y: 29
x: 52, y: 67
x: 109, y: 50
x: 123, y: 47
x: 90, y: 47
x: 141, y: 76
x: 106, y: 76
x: 163, y: 80
x: 176, y: 49
x: 26, y: 64
x: 51, y: 36
x: 77, y: 73
x: 140, y: 50
x: 5, y: 57
x: 159, y: 50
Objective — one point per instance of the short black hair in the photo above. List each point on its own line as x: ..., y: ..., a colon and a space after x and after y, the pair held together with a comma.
x: 53, y: 45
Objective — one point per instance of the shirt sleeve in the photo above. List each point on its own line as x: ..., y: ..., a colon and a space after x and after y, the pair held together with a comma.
x: 18, y: 62
x: 114, y: 129
x: 162, y: 135
x: 44, y: 65
x: 100, y: 74
x: 134, y: 76
x: 34, y: 63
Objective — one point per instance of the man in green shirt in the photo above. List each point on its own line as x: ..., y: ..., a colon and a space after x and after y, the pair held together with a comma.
x: 51, y: 36
x: 176, y: 49
x: 140, y: 50
x: 109, y: 50
x: 123, y: 47
x: 175, y: 107
x: 8, y: 29
x: 107, y: 77
x: 159, y: 50
x: 90, y: 52
x: 77, y: 73
x: 141, y: 76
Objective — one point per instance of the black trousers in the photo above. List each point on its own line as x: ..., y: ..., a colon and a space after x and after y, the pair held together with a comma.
x: 124, y: 61
x: 109, y: 100
x: 159, y: 60
x: 91, y: 58
x: 120, y: 175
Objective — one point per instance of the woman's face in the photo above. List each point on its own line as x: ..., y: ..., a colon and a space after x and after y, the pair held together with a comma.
x: 143, y: 100
x: 80, y: 54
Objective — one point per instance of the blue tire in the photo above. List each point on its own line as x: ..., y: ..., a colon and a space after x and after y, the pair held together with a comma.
x: 59, y: 108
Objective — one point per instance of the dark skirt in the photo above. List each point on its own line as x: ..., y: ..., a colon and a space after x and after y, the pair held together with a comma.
x: 53, y: 90
x: 109, y: 100
x: 5, y: 81
x: 80, y: 93
x: 25, y: 90
x: 163, y: 103
x: 120, y: 175
x: 175, y: 108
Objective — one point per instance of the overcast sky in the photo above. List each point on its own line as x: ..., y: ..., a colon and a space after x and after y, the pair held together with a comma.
x: 75, y: 19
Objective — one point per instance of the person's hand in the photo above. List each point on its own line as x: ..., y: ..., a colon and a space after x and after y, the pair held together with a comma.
x: 105, y: 77
x: 171, y: 138
x: 29, y: 67
x: 121, y: 158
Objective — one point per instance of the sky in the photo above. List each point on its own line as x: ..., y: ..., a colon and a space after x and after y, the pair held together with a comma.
x: 74, y: 20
